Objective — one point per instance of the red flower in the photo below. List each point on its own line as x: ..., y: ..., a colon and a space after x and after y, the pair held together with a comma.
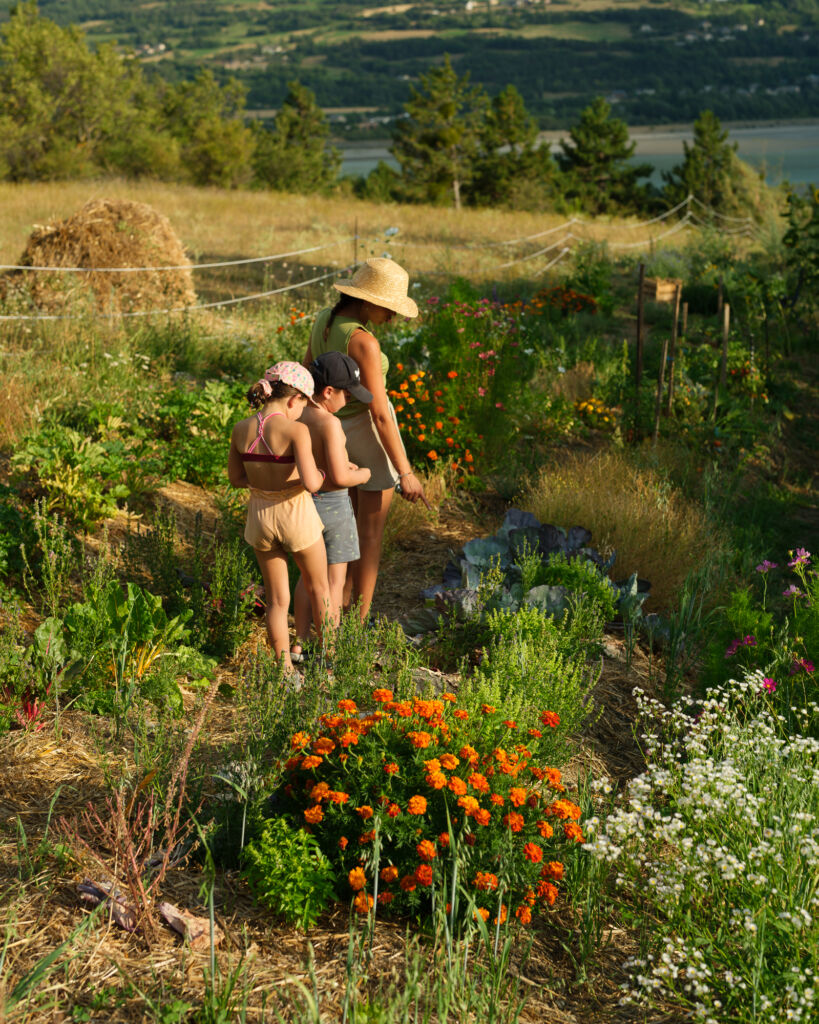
x: 532, y: 852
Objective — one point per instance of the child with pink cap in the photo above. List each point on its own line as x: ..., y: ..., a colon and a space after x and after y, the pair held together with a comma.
x: 271, y: 453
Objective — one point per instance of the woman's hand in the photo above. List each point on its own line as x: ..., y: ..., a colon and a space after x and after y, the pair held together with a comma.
x: 412, y: 489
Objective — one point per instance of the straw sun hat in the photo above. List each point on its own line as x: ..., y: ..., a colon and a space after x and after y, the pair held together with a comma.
x: 382, y: 282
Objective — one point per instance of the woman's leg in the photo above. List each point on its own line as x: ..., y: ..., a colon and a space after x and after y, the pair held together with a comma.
x: 277, y: 598
x: 312, y: 563
x: 372, y: 508
x: 302, y: 612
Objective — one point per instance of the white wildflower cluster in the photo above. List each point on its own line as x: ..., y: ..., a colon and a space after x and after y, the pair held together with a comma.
x: 718, y: 841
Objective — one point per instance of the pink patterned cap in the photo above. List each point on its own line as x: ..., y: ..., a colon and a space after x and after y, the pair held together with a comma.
x: 293, y: 374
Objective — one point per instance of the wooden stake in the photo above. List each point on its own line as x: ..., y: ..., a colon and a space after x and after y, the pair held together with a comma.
x: 723, y: 363
x: 660, y: 381
x: 672, y: 353
x: 685, y: 320
x: 638, y: 362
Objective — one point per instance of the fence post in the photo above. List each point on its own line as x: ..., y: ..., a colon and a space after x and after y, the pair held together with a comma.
x: 672, y: 352
x: 685, y: 320
x: 659, y: 401
x: 355, y: 244
x: 638, y: 363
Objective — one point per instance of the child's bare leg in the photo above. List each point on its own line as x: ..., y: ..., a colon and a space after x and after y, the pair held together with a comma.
x: 302, y: 612
x: 312, y: 562
x: 277, y: 598
x: 337, y: 578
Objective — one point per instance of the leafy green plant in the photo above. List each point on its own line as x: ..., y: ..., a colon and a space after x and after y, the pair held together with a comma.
x: 287, y: 870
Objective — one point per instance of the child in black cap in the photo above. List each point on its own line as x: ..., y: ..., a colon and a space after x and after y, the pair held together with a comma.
x: 335, y: 376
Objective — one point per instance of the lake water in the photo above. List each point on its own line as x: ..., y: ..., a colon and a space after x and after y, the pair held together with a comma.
x: 788, y: 151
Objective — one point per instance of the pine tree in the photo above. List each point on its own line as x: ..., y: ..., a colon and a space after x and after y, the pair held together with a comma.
x: 438, y: 142
x: 294, y: 157
x: 709, y: 169
x: 596, y: 162
x: 511, y: 169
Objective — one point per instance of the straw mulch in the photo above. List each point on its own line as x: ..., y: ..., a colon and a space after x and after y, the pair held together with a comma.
x: 104, y: 233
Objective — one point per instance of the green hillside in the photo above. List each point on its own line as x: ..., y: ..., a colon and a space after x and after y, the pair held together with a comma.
x: 657, y: 62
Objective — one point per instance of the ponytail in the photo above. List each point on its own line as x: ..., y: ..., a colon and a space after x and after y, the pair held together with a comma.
x: 342, y: 302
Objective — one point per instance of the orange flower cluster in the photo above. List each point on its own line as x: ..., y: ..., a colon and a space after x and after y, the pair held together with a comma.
x: 565, y: 300
x: 296, y: 315
x: 424, y: 779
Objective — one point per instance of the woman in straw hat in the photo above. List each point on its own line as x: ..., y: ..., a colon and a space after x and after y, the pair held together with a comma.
x: 373, y: 296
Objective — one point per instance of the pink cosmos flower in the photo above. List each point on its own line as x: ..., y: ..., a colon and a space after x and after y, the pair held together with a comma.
x: 766, y: 566
x: 769, y: 684
x: 802, y: 557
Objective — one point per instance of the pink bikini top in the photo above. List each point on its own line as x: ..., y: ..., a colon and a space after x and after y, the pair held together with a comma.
x: 251, y: 456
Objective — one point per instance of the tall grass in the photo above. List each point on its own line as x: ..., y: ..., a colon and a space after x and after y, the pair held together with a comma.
x: 656, y: 531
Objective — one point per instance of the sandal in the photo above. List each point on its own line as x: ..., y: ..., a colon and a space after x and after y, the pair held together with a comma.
x: 297, y: 657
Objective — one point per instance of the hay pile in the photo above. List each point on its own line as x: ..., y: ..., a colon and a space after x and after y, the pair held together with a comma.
x: 104, y: 233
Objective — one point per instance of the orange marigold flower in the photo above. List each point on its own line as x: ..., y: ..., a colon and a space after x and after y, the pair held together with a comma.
x: 417, y: 805
x: 336, y: 796
x: 343, y: 843
x: 367, y: 837
x: 365, y: 812
x: 532, y: 852
x: 319, y: 792
x: 482, y: 816
x: 499, y: 754
x: 524, y: 915
x: 357, y: 879
x: 552, y: 869
x: 457, y: 785
x: 497, y: 799
x: 299, y: 740
x: 452, y: 374
x: 311, y: 761
x: 363, y: 902
x: 386, y: 897
x: 408, y: 883
x: 436, y: 779
x: 550, y: 718
x: 347, y: 705
x: 478, y: 781
x: 517, y: 796
x: 460, y: 714
x: 514, y: 821
x: 510, y: 724
x: 554, y: 778
x: 347, y: 739
x: 450, y: 762
x: 502, y: 915
x: 426, y: 850
x: 545, y: 829
x: 547, y: 892
x: 389, y: 873
x: 419, y: 740
x: 432, y: 765
x: 535, y: 733
x: 483, y: 912
x: 313, y: 815
x: 450, y: 697
x: 423, y: 874
x: 564, y: 809
x: 382, y: 696
x: 571, y: 830
x: 485, y: 881
x: 391, y: 768
x: 393, y: 811
x: 469, y: 804
x: 488, y: 709
x: 432, y: 455
x: 469, y: 754
x: 443, y: 839
x: 324, y: 745
x: 332, y: 721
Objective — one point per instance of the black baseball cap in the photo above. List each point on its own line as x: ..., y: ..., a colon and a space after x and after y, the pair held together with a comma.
x: 337, y: 370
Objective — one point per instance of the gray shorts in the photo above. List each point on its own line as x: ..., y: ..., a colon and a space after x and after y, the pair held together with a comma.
x: 340, y: 531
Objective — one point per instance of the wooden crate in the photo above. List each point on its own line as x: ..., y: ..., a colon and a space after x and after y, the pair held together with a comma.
x: 660, y: 289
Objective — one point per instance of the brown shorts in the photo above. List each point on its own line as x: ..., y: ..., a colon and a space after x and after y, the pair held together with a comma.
x: 282, y: 521
x: 365, y: 449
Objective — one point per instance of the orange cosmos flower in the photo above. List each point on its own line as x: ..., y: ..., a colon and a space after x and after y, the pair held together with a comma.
x: 311, y: 761
x: 313, y: 815
x: 389, y: 874
x: 417, y: 805
x: 510, y: 724
x: 535, y: 733
x: 299, y: 740
x: 517, y: 796
x: 458, y: 785
x: 423, y: 874
x: 550, y: 718
x: 450, y: 762
x: 391, y: 768
x: 426, y: 850
x: 357, y: 879
x: 532, y: 852
x: 365, y: 812
x: 382, y: 696
x: 514, y: 821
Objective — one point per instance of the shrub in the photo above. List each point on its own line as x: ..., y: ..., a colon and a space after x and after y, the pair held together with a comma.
x: 287, y: 870
x: 415, y: 787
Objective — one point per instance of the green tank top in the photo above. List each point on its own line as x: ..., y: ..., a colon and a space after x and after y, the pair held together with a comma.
x: 338, y: 339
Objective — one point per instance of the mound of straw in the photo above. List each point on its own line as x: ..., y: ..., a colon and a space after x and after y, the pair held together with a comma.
x: 104, y: 233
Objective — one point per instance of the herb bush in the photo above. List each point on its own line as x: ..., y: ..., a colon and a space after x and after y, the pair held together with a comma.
x: 714, y: 853
x: 423, y: 795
